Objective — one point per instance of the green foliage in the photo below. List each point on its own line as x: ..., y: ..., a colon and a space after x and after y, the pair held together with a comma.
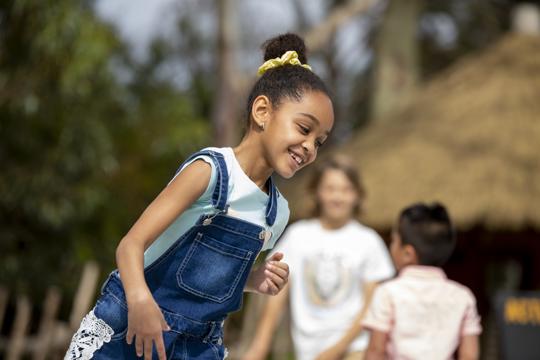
x: 82, y: 153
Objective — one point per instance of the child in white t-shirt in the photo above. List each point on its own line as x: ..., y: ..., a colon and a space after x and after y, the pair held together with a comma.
x: 334, y: 264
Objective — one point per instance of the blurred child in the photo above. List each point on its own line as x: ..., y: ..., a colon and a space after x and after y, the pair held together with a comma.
x: 335, y: 263
x: 421, y: 314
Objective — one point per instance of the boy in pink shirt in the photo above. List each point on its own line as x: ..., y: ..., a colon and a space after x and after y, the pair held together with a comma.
x: 421, y: 314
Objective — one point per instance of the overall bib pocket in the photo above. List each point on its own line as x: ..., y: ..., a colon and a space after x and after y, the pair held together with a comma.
x: 212, y: 269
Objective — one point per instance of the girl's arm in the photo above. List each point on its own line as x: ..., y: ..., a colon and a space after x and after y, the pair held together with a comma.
x: 145, y: 320
x: 268, y: 322
x: 469, y: 348
x: 377, y: 345
x: 339, y: 349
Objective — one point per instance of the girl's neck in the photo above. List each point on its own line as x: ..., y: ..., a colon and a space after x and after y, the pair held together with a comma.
x: 329, y: 223
x: 252, y: 161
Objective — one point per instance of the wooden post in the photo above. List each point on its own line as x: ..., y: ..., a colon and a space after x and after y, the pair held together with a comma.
x: 20, y: 327
x: 85, y: 294
x: 45, y: 333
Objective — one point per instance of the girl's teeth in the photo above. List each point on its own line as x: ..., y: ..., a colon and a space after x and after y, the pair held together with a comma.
x: 296, y: 158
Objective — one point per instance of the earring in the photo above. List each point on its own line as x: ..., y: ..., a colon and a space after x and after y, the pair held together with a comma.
x: 262, y: 126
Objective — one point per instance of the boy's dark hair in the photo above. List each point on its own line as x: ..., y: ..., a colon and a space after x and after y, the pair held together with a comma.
x: 429, y: 230
x: 287, y: 81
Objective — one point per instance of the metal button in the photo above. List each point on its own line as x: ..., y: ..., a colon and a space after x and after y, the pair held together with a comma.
x: 207, y: 221
x: 265, y: 235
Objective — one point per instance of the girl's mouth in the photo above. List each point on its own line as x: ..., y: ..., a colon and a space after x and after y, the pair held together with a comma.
x: 297, y: 158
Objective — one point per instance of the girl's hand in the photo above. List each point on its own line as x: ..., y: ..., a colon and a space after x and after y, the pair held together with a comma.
x: 146, y: 324
x: 271, y: 277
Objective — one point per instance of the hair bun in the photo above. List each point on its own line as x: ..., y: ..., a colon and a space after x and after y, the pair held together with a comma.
x: 277, y: 46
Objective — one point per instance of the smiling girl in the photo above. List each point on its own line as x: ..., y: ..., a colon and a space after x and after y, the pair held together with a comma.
x: 185, y: 263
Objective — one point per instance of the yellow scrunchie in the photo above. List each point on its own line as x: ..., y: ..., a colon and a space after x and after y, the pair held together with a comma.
x: 290, y: 57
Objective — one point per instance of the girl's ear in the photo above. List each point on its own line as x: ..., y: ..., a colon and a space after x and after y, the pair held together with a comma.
x: 261, y: 111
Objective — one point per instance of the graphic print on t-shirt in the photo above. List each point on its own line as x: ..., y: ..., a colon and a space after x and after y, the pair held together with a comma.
x: 328, y: 279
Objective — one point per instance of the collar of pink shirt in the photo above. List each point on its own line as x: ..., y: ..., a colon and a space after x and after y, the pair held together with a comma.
x: 423, y: 271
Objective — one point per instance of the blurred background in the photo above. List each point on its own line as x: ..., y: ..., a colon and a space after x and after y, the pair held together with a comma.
x: 100, y: 101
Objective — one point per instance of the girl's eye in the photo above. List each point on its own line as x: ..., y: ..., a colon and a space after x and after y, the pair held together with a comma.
x: 318, y: 144
x: 304, y: 129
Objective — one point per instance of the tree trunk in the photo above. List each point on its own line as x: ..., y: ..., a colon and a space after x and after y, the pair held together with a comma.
x: 396, y: 68
x: 318, y: 36
x: 225, y: 112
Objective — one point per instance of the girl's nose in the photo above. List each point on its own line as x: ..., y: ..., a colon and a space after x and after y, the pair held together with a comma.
x: 308, y: 147
x: 308, y: 155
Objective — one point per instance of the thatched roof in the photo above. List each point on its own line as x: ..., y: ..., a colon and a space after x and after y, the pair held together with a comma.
x: 470, y: 138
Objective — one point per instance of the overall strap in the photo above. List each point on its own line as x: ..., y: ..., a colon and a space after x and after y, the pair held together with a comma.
x: 271, y: 207
x: 219, y: 196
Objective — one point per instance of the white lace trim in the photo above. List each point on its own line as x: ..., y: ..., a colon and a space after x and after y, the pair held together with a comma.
x: 89, y: 338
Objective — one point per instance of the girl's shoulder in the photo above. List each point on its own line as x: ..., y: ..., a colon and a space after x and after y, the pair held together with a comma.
x: 206, y: 154
x: 225, y: 151
x: 228, y: 156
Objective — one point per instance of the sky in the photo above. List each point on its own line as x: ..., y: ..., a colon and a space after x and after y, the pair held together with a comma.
x: 139, y: 21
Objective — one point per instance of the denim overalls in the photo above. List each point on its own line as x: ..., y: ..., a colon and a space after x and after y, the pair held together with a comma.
x: 196, y: 283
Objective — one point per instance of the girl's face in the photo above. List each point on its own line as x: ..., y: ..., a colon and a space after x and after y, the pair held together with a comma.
x: 294, y: 131
x: 336, y: 195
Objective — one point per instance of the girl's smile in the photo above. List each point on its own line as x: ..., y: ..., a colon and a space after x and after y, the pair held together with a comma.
x: 298, y: 159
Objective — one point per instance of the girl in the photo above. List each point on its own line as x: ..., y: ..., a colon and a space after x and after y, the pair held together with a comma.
x: 335, y: 263
x: 184, y: 264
